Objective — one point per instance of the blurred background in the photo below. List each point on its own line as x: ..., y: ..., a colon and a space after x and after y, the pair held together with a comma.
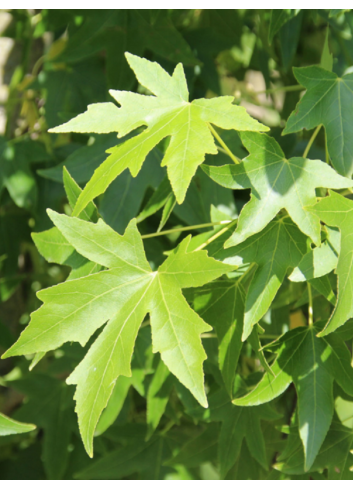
x: 53, y: 63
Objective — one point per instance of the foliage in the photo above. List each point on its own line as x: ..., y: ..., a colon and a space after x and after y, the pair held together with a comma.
x: 176, y: 303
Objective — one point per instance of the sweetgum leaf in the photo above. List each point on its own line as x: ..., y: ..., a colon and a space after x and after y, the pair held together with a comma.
x: 337, y: 211
x: 238, y: 424
x: 167, y: 113
x: 312, y: 364
x: 122, y: 295
x: 276, y: 183
x: 279, y: 246
x: 328, y: 101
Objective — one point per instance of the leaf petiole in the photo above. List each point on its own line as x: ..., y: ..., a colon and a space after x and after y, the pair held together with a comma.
x: 186, y: 228
x: 215, y: 236
x: 290, y: 88
x: 223, y: 144
x: 311, y: 140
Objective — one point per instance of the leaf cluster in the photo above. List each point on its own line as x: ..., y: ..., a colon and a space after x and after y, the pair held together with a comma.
x: 175, y: 250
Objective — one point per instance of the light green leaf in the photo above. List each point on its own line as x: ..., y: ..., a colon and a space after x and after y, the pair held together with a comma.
x: 328, y: 101
x: 167, y: 210
x: 73, y: 191
x: 100, y: 118
x: 312, y: 364
x: 276, y: 183
x: 122, y: 295
x: 320, y: 261
x: 11, y: 427
x: 337, y: 211
x: 168, y: 113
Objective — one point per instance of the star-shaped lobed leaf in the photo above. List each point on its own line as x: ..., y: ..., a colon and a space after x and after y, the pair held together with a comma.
x: 238, y: 424
x: 167, y: 112
x: 328, y: 101
x: 337, y: 211
x: 121, y: 295
x: 312, y: 364
x: 276, y: 183
x: 279, y: 246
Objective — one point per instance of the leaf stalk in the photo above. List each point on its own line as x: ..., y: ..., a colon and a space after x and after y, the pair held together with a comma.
x: 223, y: 144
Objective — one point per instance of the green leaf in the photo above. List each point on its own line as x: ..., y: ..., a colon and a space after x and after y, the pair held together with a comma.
x: 334, y: 454
x: 321, y: 260
x: 289, y: 36
x: 199, y: 449
x: 338, y: 11
x: 256, y: 346
x: 221, y: 304
x: 137, y: 457
x: 50, y: 406
x: 167, y: 210
x: 11, y: 427
x: 312, y: 364
x: 15, y: 171
x: 157, y: 201
x: 82, y: 162
x: 278, y: 18
x: 115, y: 405
x: 327, y: 101
x: 161, y: 36
x: 276, y: 183
x: 158, y: 396
x: 238, y: 424
x: 337, y: 211
x: 122, y: 200
x: 55, y: 248
x: 279, y: 246
x: 326, y: 56
x: 124, y: 294
x: 168, y: 113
